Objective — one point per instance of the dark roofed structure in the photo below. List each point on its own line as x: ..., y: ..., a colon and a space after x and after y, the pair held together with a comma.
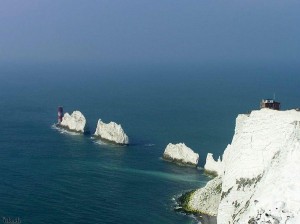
x: 271, y: 104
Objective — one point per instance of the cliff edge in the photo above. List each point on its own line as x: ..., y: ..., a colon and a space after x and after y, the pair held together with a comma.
x: 260, y: 180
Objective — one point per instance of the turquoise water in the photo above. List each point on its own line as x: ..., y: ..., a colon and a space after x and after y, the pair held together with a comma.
x: 54, y: 177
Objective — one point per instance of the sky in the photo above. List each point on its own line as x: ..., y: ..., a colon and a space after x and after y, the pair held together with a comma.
x: 146, y: 32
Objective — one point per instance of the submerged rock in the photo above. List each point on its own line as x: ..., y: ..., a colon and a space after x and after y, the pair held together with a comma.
x: 74, y: 122
x: 180, y: 153
x: 111, y: 132
x: 212, y: 166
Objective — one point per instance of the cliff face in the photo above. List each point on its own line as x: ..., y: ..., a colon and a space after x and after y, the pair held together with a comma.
x: 212, y: 166
x: 180, y: 153
x: 111, y: 132
x: 261, y: 181
x: 74, y: 122
x: 206, y: 199
x: 261, y: 170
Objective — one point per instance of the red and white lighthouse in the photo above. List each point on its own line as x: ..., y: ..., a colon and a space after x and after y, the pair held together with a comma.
x: 60, y: 114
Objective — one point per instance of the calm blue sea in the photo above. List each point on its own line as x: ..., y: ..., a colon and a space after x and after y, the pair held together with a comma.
x: 50, y: 177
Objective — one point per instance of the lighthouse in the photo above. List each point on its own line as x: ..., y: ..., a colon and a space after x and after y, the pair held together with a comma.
x: 60, y: 112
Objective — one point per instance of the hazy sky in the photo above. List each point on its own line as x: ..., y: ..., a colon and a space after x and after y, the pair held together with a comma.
x: 156, y: 31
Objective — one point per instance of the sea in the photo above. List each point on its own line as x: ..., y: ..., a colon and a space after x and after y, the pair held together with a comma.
x: 51, y: 176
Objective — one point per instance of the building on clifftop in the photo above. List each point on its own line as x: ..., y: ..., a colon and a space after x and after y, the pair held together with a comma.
x: 271, y: 104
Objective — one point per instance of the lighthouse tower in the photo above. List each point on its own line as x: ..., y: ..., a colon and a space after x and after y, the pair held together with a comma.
x: 60, y: 112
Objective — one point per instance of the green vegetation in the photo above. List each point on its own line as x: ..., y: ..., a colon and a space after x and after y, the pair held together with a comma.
x: 184, y: 201
x: 210, y: 173
x: 276, y: 155
x: 242, y: 210
x: 247, y: 182
x: 236, y: 204
x: 225, y: 193
x: 219, y: 188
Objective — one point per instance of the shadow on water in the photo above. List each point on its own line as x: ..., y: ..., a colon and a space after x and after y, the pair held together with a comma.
x: 201, y: 218
x: 206, y: 219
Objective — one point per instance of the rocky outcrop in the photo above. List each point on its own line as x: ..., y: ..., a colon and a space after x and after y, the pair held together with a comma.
x: 74, y: 122
x: 206, y: 200
x: 261, y: 180
x: 111, y: 132
x: 212, y: 166
x: 180, y: 153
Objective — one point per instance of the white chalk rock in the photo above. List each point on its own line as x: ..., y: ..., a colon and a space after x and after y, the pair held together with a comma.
x: 261, y: 180
x: 181, y: 153
x: 262, y: 169
x: 213, y: 166
x: 207, y: 199
x: 74, y: 122
x: 112, y: 132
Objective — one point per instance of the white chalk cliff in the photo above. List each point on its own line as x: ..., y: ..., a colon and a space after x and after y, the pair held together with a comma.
x: 261, y: 179
x: 213, y: 166
x: 181, y: 153
x: 112, y: 132
x: 210, y: 193
x: 74, y: 122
